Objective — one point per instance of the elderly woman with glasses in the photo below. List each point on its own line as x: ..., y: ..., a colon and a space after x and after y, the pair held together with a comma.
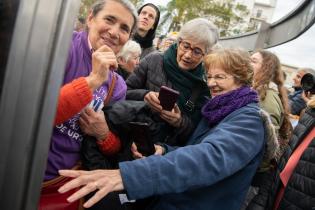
x: 215, y: 168
x: 180, y: 68
x: 128, y: 58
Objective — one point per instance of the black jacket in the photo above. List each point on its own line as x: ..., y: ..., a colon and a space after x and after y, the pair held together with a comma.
x: 297, y: 103
x: 300, y: 191
x: 117, y: 115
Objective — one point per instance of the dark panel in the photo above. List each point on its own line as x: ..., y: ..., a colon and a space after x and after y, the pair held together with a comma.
x: 8, y: 11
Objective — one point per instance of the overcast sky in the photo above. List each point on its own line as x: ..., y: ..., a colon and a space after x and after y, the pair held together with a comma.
x: 299, y: 52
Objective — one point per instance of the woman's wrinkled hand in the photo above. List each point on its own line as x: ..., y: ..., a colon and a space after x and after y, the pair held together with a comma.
x: 93, y: 123
x: 104, y: 181
x: 172, y: 117
x: 159, y: 150
x: 135, y: 153
x: 103, y: 60
x: 152, y: 98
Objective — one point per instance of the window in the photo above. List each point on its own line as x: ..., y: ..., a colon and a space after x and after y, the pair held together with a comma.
x: 259, y: 13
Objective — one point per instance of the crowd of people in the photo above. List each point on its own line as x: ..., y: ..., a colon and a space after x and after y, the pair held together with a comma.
x: 227, y: 143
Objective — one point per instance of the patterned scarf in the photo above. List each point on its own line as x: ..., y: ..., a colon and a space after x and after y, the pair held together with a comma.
x: 220, y: 106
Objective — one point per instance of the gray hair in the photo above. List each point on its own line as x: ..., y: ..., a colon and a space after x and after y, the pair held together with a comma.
x: 129, y: 48
x: 99, y: 5
x: 202, y: 31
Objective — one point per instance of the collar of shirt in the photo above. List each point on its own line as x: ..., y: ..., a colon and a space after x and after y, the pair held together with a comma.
x: 90, y: 45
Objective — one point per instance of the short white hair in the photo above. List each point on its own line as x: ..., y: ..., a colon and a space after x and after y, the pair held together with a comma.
x: 202, y: 31
x: 128, y: 49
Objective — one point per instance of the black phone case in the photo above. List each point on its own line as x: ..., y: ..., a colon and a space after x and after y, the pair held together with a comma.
x: 168, y: 98
x: 140, y: 135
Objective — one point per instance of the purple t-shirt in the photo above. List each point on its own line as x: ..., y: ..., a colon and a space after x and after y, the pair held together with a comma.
x: 64, y: 151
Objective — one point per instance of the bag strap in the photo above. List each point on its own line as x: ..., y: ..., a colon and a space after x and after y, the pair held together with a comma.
x: 291, y: 164
x: 190, y: 103
x: 110, y: 90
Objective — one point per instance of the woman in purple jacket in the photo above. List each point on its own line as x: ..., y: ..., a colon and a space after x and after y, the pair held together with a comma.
x: 109, y: 26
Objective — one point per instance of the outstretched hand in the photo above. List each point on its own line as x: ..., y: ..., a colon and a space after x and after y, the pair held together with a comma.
x: 104, y: 181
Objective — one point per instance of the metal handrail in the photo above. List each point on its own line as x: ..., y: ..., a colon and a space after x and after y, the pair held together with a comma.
x: 282, y: 31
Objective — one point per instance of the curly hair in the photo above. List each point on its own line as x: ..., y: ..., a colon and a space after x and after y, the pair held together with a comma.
x: 271, y: 72
x: 234, y: 61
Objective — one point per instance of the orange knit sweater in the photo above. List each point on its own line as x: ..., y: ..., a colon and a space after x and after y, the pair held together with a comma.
x: 73, y: 98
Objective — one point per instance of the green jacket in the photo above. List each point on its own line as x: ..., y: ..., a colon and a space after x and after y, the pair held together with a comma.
x: 272, y: 104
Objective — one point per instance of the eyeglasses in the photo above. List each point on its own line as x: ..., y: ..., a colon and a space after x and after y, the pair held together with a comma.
x: 185, y: 46
x: 219, y: 77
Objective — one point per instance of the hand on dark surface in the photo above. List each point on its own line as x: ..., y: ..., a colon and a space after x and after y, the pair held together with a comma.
x: 93, y: 123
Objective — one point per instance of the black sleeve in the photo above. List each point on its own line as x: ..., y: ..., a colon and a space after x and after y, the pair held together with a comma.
x: 92, y: 158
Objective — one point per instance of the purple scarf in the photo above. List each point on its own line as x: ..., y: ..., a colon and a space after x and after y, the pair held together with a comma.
x: 222, y: 105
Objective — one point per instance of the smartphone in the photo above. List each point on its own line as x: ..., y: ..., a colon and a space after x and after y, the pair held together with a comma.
x: 140, y: 135
x: 168, y: 98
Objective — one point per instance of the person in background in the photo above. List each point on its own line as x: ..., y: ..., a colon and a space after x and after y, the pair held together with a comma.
x: 159, y: 41
x: 214, y: 170
x: 149, y: 16
x: 293, y: 187
x: 90, y: 65
x: 269, y: 83
x: 79, y: 24
x: 296, y: 100
x: 168, y: 41
x: 180, y: 68
x: 128, y: 58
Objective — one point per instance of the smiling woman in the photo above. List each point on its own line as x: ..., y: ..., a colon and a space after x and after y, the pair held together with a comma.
x: 110, y: 28
x: 89, y: 78
x: 224, y: 76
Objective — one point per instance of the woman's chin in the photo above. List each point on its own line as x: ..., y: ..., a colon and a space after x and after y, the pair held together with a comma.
x: 213, y: 94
